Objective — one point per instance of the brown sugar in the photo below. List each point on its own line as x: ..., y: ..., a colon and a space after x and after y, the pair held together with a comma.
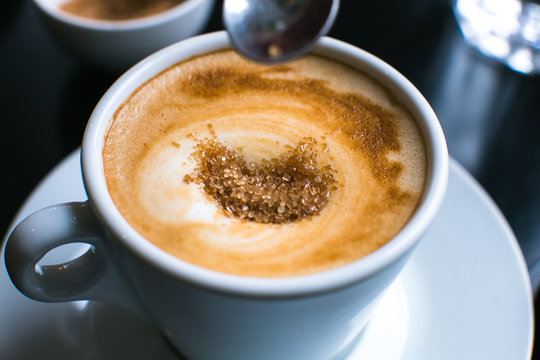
x: 279, y: 190
x: 118, y: 9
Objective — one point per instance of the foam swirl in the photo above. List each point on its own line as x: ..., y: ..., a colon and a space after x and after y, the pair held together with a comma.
x: 371, y: 143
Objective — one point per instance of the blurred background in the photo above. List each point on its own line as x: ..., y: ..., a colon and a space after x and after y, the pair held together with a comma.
x: 490, y: 113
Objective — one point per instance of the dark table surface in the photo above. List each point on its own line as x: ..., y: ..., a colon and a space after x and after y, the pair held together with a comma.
x: 490, y: 115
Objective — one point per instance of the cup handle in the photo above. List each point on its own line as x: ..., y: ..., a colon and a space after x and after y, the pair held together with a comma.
x: 95, y: 275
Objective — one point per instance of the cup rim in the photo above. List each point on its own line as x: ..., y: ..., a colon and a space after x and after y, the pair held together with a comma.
x: 399, y: 246
x: 60, y: 15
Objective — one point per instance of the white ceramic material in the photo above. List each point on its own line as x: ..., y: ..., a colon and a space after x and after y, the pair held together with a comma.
x: 308, y: 317
x: 445, y: 305
x: 117, y: 45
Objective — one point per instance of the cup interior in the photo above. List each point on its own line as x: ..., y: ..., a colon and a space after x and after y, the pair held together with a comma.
x: 399, y: 86
x: 53, y: 9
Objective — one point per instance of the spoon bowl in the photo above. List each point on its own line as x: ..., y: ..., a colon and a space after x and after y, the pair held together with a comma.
x: 274, y: 31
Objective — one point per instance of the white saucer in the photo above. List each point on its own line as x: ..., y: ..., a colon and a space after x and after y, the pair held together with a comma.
x: 465, y: 294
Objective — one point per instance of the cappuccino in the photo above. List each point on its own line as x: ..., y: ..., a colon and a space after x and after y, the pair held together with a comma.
x: 117, y: 9
x: 264, y: 171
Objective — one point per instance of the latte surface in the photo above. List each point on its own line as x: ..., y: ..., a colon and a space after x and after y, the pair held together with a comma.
x: 117, y: 9
x: 371, y: 146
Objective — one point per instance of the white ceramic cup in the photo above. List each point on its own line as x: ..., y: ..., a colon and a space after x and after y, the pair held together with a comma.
x: 203, y: 313
x: 119, y: 44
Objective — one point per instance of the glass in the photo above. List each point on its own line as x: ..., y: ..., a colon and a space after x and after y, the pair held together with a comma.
x: 506, y: 30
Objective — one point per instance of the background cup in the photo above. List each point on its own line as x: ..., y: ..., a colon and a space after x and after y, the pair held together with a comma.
x: 119, y: 44
x: 205, y: 314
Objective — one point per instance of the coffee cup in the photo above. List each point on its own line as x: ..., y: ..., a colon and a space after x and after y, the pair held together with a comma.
x: 117, y: 44
x: 203, y: 311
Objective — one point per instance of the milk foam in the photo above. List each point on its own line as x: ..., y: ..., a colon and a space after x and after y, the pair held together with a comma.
x: 260, y: 111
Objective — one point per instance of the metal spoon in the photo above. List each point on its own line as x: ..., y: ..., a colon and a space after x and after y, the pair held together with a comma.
x: 273, y: 31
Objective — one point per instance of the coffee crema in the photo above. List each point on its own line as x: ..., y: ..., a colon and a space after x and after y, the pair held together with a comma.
x: 252, y: 120
x: 117, y: 9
